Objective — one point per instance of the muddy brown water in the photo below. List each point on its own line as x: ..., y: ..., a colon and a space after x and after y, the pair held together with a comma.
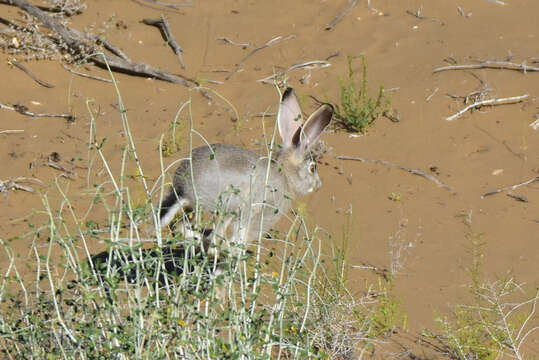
x: 474, y: 154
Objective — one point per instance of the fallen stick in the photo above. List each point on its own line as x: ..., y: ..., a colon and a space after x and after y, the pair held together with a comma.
x: 164, y: 28
x: 59, y: 168
x: 341, y: 15
x: 27, y: 72
x: 170, y: 5
x: 82, y: 44
x: 269, y: 43
x: 7, y: 185
x: 316, y: 64
x: 418, y: 15
x: 490, y: 102
x: 431, y: 95
x: 228, y: 41
x: 510, y: 187
x: 490, y: 65
x: 11, y: 131
x: 86, y: 75
x: 21, y: 109
x: 53, y: 9
x: 411, y: 171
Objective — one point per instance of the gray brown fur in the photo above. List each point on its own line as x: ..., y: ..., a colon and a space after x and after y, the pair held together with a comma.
x: 238, y: 185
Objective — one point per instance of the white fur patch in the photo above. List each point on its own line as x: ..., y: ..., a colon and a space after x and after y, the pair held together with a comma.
x: 171, y: 212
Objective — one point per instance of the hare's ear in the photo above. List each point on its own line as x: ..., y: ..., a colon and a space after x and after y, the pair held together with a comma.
x: 315, y: 126
x: 289, y: 118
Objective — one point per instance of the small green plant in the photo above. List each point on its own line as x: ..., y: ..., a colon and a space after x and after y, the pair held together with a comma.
x: 358, y: 111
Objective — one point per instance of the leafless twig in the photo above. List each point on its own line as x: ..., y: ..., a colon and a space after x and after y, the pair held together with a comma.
x: 341, y: 15
x: 11, y: 131
x: 316, y: 64
x: 7, y: 185
x: 228, y: 41
x: 431, y: 95
x: 489, y: 102
x: 169, y: 5
x: 164, y: 28
x: 490, y: 65
x: 86, y: 75
x: 511, y: 187
x: 269, y: 43
x: 411, y: 171
x: 21, y: 109
x: 27, y: 72
x: 82, y: 44
x: 418, y: 15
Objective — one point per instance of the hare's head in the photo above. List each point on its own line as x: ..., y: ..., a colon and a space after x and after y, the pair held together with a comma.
x: 299, y: 153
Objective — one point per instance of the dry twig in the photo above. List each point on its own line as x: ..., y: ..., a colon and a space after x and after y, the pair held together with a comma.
x: 341, y: 15
x: 316, y: 64
x: 11, y: 131
x: 21, y: 109
x: 228, y: 41
x: 490, y: 65
x: 86, y: 44
x: 489, y: 102
x: 27, y: 72
x: 431, y: 95
x: 86, y: 75
x: 418, y: 15
x: 510, y: 187
x: 10, y: 184
x: 269, y: 43
x: 169, y: 5
x: 164, y: 28
x: 411, y: 171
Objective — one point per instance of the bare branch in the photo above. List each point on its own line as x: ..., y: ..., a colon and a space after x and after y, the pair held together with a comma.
x: 510, y: 187
x: 27, y: 72
x: 411, y: 171
x: 86, y: 75
x: 489, y: 102
x: 316, y: 64
x: 21, y: 109
x: 228, y: 41
x: 490, y: 65
x: 81, y: 44
x: 269, y: 43
x: 164, y: 28
x: 341, y: 15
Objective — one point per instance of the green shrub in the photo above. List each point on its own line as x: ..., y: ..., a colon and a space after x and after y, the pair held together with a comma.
x: 357, y: 111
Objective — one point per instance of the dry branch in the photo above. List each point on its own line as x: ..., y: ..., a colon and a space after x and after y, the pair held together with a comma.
x: 418, y: 15
x: 86, y: 75
x: 341, y: 15
x: 84, y: 44
x: 316, y: 64
x: 396, y: 166
x: 228, y: 41
x: 164, y: 28
x: 490, y: 65
x: 510, y: 187
x: 11, y: 131
x: 10, y: 184
x: 489, y: 102
x: 27, y: 72
x: 21, y: 109
x: 169, y: 5
x: 269, y: 43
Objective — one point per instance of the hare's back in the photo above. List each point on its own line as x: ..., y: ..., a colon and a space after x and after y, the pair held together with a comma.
x: 222, y: 170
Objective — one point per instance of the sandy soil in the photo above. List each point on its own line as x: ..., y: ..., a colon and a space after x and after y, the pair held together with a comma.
x: 474, y: 154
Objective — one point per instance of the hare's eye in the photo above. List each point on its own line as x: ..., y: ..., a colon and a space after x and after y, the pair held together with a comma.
x: 312, y: 167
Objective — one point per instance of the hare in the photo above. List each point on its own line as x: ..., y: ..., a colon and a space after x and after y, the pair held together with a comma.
x: 248, y: 191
